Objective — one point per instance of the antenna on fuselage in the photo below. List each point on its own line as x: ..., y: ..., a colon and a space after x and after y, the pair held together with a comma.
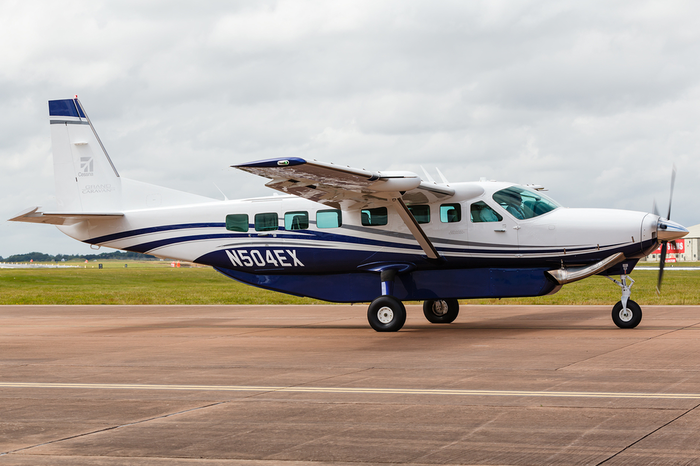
x: 222, y: 193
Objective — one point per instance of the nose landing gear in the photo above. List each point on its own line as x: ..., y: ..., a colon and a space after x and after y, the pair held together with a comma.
x: 626, y: 313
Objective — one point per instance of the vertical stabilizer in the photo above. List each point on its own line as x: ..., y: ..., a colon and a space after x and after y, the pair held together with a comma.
x: 86, y: 179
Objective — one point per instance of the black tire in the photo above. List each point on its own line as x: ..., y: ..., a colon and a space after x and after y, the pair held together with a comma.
x: 386, y: 314
x: 628, y: 319
x: 441, y: 311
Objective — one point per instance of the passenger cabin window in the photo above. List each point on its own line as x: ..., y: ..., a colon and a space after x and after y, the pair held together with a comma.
x: 374, y: 217
x: 522, y: 203
x: 296, y: 220
x: 450, y: 213
x: 266, y: 222
x: 237, y: 222
x: 329, y: 218
x: 481, y: 212
x: 420, y: 212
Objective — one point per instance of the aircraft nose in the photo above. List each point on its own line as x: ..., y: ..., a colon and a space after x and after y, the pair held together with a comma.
x: 667, y: 230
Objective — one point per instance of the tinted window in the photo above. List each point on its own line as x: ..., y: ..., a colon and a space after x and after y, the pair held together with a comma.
x: 237, y: 222
x: 481, y: 212
x: 328, y: 219
x: 420, y: 212
x: 374, y: 217
x: 450, y: 213
x: 266, y: 222
x: 296, y: 220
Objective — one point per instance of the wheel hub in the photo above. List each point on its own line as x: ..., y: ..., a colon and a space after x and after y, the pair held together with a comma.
x: 440, y: 308
x: 626, y: 315
x: 385, y: 315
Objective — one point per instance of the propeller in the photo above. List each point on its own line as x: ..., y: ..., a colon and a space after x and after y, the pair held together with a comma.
x: 664, y: 242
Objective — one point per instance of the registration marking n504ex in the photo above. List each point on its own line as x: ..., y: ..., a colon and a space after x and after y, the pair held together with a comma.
x: 275, y: 257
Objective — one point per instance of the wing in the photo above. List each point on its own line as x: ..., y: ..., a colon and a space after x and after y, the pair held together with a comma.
x: 353, y: 188
x: 338, y: 185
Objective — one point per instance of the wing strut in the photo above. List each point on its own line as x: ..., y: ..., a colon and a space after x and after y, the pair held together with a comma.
x: 415, y: 228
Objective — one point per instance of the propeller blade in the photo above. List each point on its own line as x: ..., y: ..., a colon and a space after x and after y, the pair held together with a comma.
x: 654, y: 209
x: 670, y: 196
x: 664, y: 247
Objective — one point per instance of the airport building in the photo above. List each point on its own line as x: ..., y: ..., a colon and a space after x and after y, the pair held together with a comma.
x: 681, y: 250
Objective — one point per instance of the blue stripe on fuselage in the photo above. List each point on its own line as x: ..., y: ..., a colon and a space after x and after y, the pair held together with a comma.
x: 149, y: 230
x: 585, y: 253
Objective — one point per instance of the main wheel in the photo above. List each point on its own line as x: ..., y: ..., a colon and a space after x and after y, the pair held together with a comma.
x: 386, y: 314
x: 629, y: 317
x: 441, y: 311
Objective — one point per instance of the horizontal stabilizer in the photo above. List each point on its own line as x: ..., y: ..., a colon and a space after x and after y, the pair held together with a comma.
x: 33, y: 215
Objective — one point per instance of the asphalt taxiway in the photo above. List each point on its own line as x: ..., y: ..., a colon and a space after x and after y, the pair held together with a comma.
x: 298, y: 385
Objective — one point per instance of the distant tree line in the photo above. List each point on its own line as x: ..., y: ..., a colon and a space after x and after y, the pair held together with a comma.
x: 41, y: 257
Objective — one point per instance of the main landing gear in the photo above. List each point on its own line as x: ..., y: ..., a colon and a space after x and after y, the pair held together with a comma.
x: 388, y: 314
x: 626, y: 313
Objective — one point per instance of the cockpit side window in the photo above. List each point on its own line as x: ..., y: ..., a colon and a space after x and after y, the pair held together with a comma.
x: 481, y: 212
x: 522, y: 203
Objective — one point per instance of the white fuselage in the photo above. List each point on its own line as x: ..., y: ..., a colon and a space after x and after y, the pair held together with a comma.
x: 191, y: 232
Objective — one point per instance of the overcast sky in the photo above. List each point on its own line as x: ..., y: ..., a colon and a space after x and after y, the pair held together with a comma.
x: 594, y: 100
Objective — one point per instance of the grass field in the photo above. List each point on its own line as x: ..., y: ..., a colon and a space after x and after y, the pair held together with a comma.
x: 155, y: 282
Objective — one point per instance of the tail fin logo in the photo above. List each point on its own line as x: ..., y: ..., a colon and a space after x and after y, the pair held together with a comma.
x: 86, y: 166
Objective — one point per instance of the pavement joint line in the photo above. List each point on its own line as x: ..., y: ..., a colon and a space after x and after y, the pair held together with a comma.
x: 351, y: 390
x: 107, y: 429
x: 670, y: 331
x: 649, y: 434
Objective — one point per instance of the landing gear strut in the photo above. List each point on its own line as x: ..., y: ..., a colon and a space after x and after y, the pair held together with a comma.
x: 386, y: 313
x: 626, y: 313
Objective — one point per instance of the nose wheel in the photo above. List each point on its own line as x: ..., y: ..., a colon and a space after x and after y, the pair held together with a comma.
x: 628, y: 316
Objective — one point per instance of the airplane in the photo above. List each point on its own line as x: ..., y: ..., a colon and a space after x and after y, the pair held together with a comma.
x: 350, y: 235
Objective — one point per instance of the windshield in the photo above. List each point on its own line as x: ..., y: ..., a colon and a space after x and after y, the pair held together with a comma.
x: 523, y: 203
